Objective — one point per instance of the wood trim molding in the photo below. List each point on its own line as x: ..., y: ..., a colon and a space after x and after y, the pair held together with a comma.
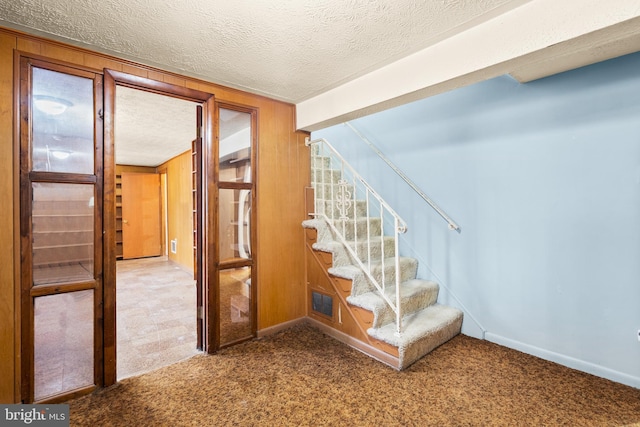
x: 281, y: 327
x: 154, y: 86
x: 365, y: 348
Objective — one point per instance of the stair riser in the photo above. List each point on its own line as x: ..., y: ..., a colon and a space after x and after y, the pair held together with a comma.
x: 428, y: 343
x: 331, y: 191
x: 408, y: 269
x: 325, y: 176
x: 320, y: 162
x: 332, y: 177
x: 375, y: 250
x: 333, y: 209
x: 409, y: 305
x: 350, y: 232
x: 342, y: 257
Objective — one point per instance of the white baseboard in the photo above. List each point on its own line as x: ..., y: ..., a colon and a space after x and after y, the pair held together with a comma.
x: 570, y: 362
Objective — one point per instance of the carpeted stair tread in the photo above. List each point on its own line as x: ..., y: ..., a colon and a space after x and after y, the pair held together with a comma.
x: 363, y: 250
x: 426, y: 324
x: 360, y: 281
x: 415, y: 288
x: 415, y: 295
x: 422, y: 332
x: 362, y: 226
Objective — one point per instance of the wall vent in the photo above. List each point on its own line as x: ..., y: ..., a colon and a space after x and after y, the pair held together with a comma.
x: 322, y: 303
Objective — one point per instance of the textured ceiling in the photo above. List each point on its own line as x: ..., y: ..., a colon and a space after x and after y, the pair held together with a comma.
x: 288, y: 49
x: 150, y: 128
x: 298, y: 50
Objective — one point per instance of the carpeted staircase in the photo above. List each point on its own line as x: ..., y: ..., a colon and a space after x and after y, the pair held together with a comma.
x: 363, y: 253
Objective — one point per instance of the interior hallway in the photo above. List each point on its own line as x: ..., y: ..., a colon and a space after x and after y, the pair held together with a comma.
x: 156, y: 315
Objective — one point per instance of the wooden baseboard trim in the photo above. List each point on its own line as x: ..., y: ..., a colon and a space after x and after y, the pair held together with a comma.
x: 363, y: 347
x: 280, y: 327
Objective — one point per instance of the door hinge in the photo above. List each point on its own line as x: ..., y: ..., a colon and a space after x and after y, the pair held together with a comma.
x: 200, y: 312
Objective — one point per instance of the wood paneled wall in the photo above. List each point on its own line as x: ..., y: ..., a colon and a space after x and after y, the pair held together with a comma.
x: 283, y: 173
x: 180, y: 207
x: 9, y: 338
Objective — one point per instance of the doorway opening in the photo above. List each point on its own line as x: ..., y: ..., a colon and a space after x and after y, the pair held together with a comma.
x: 156, y: 292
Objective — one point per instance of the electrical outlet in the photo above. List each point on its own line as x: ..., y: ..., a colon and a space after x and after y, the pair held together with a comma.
x: 638, y: 334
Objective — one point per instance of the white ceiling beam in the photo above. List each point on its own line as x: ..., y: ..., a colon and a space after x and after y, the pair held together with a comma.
x: 509, y: 42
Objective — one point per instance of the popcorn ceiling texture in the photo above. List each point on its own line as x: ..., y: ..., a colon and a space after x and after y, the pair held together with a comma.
x: 289, y: 50
x: 150, y: 128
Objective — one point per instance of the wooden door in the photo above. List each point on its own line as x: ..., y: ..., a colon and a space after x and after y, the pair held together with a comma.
x: 141, y: 215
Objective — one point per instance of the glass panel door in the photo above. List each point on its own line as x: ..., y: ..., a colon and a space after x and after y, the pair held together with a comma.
x: 236, y: 213
x: 61, y: 230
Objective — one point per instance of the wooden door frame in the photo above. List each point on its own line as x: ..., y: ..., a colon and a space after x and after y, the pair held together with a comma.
x: 112, y: 79
x: 25, y: 319
x: 214, y: 298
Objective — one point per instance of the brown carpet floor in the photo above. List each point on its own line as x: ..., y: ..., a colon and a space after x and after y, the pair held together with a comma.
x: 301, y: 377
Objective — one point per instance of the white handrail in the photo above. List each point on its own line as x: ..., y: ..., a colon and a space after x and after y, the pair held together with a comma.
x: 452, y: 224
x: 343, y: 204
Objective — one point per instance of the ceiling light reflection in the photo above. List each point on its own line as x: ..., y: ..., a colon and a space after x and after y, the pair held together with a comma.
x: 60, y: 154
x: 51, y: 105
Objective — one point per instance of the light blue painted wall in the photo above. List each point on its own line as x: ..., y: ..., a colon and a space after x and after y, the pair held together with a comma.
x: 544, y: 180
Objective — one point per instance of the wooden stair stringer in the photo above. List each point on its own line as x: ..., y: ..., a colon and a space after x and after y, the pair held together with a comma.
x: 362, y: 317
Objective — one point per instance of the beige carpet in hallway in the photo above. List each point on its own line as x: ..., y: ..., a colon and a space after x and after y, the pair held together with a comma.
x: 156, y: 315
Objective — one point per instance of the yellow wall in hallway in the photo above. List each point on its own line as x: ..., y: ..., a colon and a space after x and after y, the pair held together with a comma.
x: 179, y: 208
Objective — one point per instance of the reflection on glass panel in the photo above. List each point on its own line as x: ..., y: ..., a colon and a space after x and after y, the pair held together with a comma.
x: 62, y: 120
x: 63, y: 239
x: 235, y: 223
x: 235, y: 146
x: 235, y: 304
x: 63, y: 343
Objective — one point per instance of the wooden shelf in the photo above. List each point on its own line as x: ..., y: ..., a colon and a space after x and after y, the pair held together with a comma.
x: 62, y: 231
x: 119, y: 249
x: 62, y: 215
x: 62, y: 273
x: 71, y: 245
x: 63, y: 241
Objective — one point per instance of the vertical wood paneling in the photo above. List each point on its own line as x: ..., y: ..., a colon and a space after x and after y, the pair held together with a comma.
x: 281, y: 211
x: 7, y: 195
x: 268, y: 220
x: 180, y: 207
